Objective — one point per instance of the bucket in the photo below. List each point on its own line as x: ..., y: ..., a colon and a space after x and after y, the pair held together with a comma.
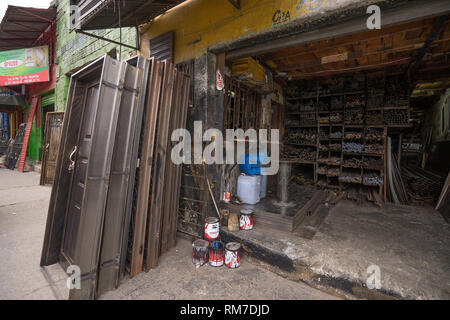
x: 246, y: 219
x: 216, y: 254
x: 232, y: 258
x: 200, y: 254
x: 211, y: 228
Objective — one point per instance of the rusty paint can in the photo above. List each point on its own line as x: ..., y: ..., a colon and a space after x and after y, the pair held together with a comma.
x: 233, y: 222
x: 200, y: 253
x: 216, y: 254
x: 211, y: 228
x: 232, y: 257
x: 246, y: 219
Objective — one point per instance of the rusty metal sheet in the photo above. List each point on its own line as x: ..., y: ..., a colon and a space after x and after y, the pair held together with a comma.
x: 145, y: 167
x: 156, y: 203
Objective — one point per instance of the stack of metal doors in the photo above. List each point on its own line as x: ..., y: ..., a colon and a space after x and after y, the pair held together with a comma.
x: 89, y: 210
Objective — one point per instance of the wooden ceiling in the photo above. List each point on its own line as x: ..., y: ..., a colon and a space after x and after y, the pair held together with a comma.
x: 399, y: 45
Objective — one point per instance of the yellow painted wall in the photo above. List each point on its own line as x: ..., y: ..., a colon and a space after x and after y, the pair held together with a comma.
x: 198, y: 24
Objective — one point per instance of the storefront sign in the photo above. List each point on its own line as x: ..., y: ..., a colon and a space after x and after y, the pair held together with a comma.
x: 24, y: 66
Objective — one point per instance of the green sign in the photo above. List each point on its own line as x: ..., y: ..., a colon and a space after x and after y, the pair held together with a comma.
x: 24, y: 66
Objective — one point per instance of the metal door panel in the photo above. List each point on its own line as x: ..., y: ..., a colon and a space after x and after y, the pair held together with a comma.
x: 58, y: 199
x: 117, y: 193
x: 89, y: 234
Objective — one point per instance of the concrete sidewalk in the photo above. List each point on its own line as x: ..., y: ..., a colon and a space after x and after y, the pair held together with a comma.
x: 23, y: 213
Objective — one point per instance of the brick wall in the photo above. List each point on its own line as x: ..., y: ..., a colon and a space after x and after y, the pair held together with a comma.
x: 73, y: 49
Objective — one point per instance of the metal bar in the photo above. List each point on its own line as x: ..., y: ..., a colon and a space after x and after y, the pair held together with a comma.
x: 106, y: 39
x: 154, y: 225
x: 145, y: 169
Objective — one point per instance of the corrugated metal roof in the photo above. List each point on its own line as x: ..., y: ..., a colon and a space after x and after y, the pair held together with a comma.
x: 104, y: 14
x: 22, y: 26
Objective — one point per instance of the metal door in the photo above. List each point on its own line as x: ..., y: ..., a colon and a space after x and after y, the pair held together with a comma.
x: 80, y: 159
x: 52, y: 138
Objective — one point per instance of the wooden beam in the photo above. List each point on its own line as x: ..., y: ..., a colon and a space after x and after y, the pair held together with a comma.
x: 410, y: 12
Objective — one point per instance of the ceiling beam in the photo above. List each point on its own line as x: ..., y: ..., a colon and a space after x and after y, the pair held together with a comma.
x: 431, y: 37
x: 325, y: 73
x: 415, y: 10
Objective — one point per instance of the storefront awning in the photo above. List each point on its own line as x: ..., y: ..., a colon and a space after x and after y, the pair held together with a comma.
x: 22, y: 26
x: 105, y: 14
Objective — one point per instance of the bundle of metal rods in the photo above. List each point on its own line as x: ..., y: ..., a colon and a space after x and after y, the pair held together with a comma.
x: 335, y: 147
x: 374, y: 148
x: 353, y: 162
x: 375, y: 163
x: 350, y: 177
x: 374, y: 118
x: 302, y: 137
x: 336, y: 135
x: 352, y: 147
x: 322, y: 170
x: 355, y: 101
x: 353, y: 135
x: 396, y: 117
x: 373, y: 134
x: 423, y: 186
x: 354, y: 116
x: 333, y: 172
x: 372, y: 179
x: 307, y: 154
x: 336, y: 117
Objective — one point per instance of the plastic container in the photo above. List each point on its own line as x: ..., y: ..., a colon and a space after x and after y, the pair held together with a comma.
x: 249, y: 188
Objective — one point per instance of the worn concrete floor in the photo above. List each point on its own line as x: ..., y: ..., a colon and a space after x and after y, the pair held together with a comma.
x: 410, y: 245
x: 23, y: 212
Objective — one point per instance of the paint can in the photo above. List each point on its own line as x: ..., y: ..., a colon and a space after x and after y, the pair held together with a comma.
x: 211, y: 228
x: 246, y: 219
x: 200, y: 253
x: 216, y: 254
x: 232, y: 258
x: 226, y: 197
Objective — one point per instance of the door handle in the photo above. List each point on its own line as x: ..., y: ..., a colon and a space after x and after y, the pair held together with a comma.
x: 72, y: 162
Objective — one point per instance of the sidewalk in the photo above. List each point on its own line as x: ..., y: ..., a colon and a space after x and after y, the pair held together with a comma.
x: 23, y: 213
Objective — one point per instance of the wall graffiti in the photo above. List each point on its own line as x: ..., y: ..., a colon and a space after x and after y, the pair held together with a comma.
x: 281, y: 16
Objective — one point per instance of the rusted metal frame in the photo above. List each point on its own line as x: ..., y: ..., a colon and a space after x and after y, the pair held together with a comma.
x: 44, y: 151
x: 145, y: 167
x: 156, y: 203
x: 47, y: 137
x: 178, y: 168
x: 169, y: 183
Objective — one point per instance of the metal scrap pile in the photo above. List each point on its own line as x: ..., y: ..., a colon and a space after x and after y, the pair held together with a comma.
x: 423, y: 186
